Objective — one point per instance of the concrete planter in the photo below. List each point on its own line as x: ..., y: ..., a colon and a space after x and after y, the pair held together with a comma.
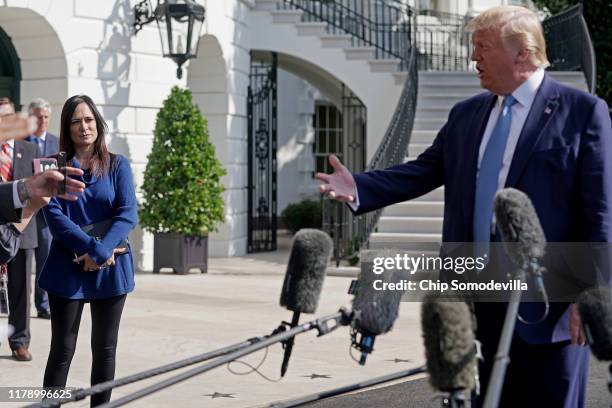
x: 180, y: 253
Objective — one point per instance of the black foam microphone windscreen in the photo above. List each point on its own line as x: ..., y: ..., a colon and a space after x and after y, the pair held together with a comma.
x: 310, y: 254
x: 595, y: 309
x: 519, y: 225
x: 378, y: 308
x: 450, y: 347
x: 375, y: 310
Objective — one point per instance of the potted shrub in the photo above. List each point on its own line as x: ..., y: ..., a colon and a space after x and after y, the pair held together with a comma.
x: 304, y: 214
x: 182, y: 191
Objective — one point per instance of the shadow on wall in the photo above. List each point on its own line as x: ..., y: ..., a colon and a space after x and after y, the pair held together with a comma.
x: 114, y: 64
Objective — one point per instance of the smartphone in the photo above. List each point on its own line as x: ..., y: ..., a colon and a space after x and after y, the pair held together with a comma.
x: 61, y: 164
x: 43, y: 164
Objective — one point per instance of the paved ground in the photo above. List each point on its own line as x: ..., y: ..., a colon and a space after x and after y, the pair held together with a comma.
x: 170, y: 317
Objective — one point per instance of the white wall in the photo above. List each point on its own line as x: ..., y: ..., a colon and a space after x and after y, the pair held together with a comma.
x: 295, y: 140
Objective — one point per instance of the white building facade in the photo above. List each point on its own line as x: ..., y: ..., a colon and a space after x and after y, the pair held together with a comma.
x: 89, y: 47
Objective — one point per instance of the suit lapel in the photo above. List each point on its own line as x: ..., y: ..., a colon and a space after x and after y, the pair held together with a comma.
x: 17, y: 159
x: 479, y: 122
x: 542, y: 110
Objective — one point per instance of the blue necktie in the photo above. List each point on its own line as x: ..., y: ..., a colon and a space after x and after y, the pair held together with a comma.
x: 488, y: 174
x: 39, y: 143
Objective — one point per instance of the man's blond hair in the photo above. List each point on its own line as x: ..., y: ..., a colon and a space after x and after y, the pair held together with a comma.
x: 517, y: 25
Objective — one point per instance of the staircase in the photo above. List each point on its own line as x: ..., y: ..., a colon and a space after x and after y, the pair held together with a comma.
x: 416, y: 225
x: 326, y: 58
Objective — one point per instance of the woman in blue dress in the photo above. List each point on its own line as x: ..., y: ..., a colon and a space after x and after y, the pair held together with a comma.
x: 81, y: 268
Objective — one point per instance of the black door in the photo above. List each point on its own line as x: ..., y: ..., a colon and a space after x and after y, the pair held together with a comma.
x: 262, y: 127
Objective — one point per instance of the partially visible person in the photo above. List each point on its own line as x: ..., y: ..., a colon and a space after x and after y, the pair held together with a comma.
x: 16, y: 158
x: 48, y: 144
x: 12, y: 126
x: 528, y: 132
x: 10, y: 233
x: 14, y: 196
x: 7, y: 106
x: 82, y: 269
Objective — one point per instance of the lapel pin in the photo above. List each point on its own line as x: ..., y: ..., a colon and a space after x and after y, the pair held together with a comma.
x: 19, y: 155
x: 547, y: 110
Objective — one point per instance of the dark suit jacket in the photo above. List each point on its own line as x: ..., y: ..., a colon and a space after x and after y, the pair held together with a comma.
x: 8, y: 213
x: 562, y: 162
x: 9, y: 242
x: 51, y: 145
x: 23, y: 154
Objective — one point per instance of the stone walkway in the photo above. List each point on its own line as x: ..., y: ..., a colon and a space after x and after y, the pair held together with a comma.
x: 170, y: 317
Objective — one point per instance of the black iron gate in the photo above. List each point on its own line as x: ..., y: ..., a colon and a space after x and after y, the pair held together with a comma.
x: 337, y: 220
x: 262, y: 118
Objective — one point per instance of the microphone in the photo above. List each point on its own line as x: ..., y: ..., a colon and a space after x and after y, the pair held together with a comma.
x: 595, y: 309
x: 450, y: 346
x: 524, y: 243
x: 310, y: 254
x: 520, y: 228
x: 374, y: 311
x: 522, y: 235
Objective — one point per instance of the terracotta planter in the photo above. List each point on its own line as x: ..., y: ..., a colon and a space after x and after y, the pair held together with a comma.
x: 180, y: 253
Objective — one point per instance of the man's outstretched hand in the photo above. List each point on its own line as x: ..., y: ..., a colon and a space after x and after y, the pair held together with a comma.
x: 340, y: 185
x: 47, y: 184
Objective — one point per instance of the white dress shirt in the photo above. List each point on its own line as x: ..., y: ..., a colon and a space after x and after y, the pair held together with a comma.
x: 524, y: 95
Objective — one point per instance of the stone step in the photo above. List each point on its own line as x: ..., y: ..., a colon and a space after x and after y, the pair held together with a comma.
x: 408, y: 241
x: 265, y: 5
x: 423, y: 136
x: 360, y: 53
x: 429, y: 123
x: 315, y: 28
x: 287, y: 16
x: 410, y: 224
x: 415, y: 149
x: 336, y: 41
x: 431, y: 112
x: 434, y: 195
x: 384, y: 65
x: 415, y: 208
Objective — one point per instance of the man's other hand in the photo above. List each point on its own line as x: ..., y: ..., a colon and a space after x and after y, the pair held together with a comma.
x: 46, y: 184
x: 340, y: 185
x: 576, y: 332
x: 13, y: 126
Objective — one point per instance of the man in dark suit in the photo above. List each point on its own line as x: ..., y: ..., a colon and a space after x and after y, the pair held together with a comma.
x: 48, y: 144
x: 19, y: 280
x: 531, y: 133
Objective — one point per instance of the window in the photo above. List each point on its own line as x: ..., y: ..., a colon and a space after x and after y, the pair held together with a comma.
x: 327, y: 124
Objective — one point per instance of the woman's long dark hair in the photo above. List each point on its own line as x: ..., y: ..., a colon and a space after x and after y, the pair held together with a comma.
x: 100, y: 159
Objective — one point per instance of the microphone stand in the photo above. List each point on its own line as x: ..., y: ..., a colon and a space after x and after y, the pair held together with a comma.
x: 83, y: 393
x: 502, y: 358
x: 340, y: 318
x: 347, y: 388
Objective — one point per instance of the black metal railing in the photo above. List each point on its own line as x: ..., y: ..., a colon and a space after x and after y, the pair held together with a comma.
x: 568, y: 44
x: 442, y: 42
x: 387, y: 26
x: 350, y: 234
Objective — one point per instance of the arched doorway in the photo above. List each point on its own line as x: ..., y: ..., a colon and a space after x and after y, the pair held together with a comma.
x: 10, y: 69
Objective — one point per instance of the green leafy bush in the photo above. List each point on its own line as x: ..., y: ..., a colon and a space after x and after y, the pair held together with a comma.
x: 182, y: 181
x: 305, y: 214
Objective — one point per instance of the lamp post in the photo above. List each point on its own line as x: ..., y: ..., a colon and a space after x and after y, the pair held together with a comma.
x: 179, y: 23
